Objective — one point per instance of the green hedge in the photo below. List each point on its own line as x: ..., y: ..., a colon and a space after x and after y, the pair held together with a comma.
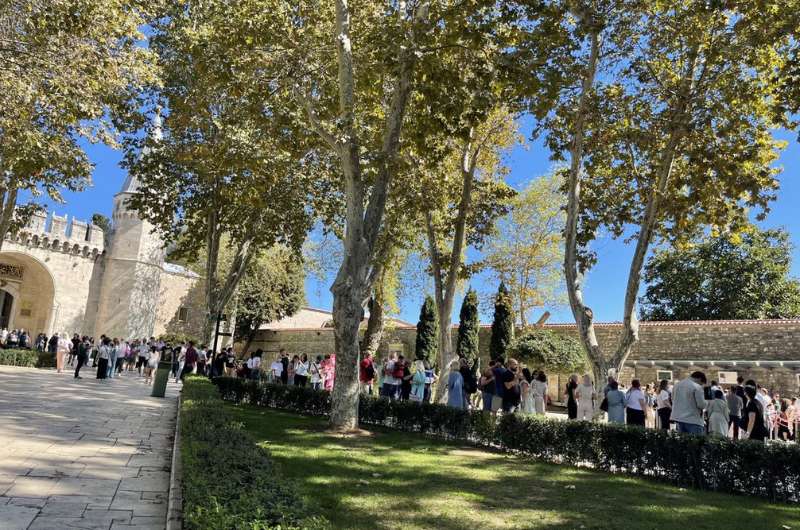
x: 229, y: 482
x: 743, y: 467
x: 27, y: 358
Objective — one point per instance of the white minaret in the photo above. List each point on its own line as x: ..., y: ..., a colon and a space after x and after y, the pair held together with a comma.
x: 133, y: 266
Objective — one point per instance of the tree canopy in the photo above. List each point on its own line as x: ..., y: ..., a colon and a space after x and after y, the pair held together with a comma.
x: 527, y: 251
x: 727, y: 276
x: 272, y: 288
x: 427, y: 331
x: 502, y: 324
x: 469, y: 328
x: 70, y: 71
x: 548, y: 350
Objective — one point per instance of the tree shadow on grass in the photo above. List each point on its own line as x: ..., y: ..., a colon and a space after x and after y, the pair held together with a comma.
x: 400, y: 480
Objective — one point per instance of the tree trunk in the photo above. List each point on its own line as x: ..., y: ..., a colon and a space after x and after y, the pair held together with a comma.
x: 8, y: 203
x: 363, y: 219
x: 630, y: 328
x: 375, y: 325
x: 446, y: 299
x: 347, y: 315
x: 583, y: 315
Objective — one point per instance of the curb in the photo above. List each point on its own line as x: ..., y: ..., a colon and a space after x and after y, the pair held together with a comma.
x: 175, y: 502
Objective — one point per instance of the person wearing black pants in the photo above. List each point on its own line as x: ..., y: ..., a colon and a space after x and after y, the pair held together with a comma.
x: 82, y: 355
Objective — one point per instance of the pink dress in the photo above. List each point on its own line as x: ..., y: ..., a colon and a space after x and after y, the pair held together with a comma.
x: 329, y: 371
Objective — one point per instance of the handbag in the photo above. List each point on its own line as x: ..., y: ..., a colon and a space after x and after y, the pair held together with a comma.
x: 604, y: 405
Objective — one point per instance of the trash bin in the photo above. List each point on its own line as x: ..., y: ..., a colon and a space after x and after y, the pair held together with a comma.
x: 161, y: 378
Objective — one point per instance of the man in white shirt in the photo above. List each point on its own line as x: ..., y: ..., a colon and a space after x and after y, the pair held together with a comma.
x: 688, y: 403
x: 277, y: 370
x: 391, y: 384
x: 254, y: 365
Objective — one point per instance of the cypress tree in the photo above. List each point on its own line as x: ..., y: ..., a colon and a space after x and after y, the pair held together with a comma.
x: 468, y: 327
x: 427, y: 331
x: 502, y: 325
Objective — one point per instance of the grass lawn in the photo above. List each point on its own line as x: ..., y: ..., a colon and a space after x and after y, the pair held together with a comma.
x: 404, y: 481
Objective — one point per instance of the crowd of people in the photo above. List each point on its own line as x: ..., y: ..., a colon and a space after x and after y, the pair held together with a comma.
x: 743, y: 410
x: 692, y: 405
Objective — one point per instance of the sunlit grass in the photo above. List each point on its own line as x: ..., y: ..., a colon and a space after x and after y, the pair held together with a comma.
x: 396, y: 480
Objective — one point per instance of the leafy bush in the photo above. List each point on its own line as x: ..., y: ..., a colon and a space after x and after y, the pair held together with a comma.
x: 542, y: 348
x: 744, y: 467
x: 27, y: 358
x: 228, y: 481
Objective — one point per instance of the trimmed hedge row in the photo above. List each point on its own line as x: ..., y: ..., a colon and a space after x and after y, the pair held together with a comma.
x: 718, y: 464
x: 229, y: 482
x: 27, y: 358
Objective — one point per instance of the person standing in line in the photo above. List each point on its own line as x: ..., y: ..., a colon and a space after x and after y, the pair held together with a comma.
x: 430, y: 379
x: 285, y: 363
x: 418, y: 382
x: 754, y: 416
x: 663, y: 405
x: 735, y: 406
x: 688, y: 404
x: 526, y: 393
x: 616, y: 403
x: 455, y: 386
x: 608, y: 385
x: 391, y: 384
x: 189, y: 360
x: 636, y: 405
x: 202, y: 359
x: 315, y: 373
x: 366, y: 374
x: 499, y: 371
x: 83, y: 354
x: 301, y: 371
x: 585, y: 396
x: 103, y: 355
x: 487, y: 386
x: 572, y: 404
x: 539, y: 389
x: 511, y: 380
x: 718, y: 415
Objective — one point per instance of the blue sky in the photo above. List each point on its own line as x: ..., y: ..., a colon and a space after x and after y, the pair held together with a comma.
x: 604, y: 286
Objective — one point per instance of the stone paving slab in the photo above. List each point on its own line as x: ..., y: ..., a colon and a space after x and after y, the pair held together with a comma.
x: 89, y: 454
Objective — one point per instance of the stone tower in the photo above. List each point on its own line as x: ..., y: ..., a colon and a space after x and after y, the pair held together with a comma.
x: 131, y: 283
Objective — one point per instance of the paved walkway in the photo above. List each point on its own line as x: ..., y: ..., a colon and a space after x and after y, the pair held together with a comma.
x: 83, y: 454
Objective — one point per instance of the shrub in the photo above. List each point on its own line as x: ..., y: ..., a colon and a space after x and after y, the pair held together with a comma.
x: 27, y: 358
x: 228, y: 481
x: 543, y: 348
x: 744, y: 467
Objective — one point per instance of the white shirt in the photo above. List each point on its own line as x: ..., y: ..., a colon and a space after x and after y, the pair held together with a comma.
x: 301, y: 368
x: 763, y: 399
x: 585, y: 392
x: 539, y: 388
x: 277, y: 368
x: 254, y: 363
x: 389, y: 379
x: 316, y: 376
x: 662, y: 400
x: 634, y: 398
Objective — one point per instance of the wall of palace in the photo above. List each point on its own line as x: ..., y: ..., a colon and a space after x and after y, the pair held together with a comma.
x: 765, y: 350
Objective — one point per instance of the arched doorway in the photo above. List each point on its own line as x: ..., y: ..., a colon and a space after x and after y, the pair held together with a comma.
x: 27, y: 294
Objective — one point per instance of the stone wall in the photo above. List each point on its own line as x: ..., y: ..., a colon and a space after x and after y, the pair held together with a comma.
x: 767, y: 351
